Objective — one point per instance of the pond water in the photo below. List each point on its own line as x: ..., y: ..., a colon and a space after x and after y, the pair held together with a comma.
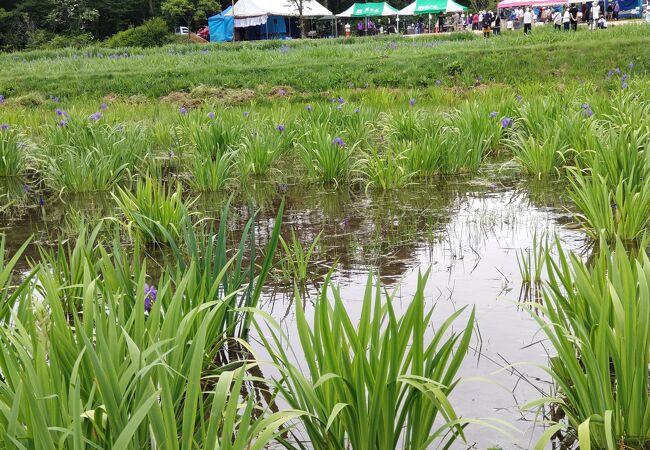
x: 467, y: 230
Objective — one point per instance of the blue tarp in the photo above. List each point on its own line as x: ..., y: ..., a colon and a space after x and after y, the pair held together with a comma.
x: 275, y: 28
x: 222, y: 28
x: 628, y: 5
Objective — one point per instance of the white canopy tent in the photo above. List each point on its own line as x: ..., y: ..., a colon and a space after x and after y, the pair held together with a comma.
x: 446, y: 6
x: 249, y: 13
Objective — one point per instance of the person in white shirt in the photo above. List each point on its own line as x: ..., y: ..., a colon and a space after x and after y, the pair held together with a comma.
x: 595, y: 15
x: 557, y: 20
x: 602, y: 23
x: 528, y: 21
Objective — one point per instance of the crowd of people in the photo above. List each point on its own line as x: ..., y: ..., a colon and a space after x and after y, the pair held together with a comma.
x: 596, y: 14
x: 565, y: 18
x: 562, y: 18
x: 370, y: 28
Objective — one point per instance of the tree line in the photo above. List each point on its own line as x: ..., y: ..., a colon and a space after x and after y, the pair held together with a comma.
x: 37, y: 23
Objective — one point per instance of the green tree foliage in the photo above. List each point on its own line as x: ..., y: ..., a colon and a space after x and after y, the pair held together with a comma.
x: 33, y: 23
x: 189, y: 11
x: 152, y: 33
x: 27, y: 24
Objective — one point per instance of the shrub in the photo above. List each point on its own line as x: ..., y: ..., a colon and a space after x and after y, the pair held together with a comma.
x: 45, y: 40
x: 152, y: 33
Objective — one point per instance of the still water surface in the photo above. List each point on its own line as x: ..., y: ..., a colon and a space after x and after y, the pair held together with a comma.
x: 467, y: 231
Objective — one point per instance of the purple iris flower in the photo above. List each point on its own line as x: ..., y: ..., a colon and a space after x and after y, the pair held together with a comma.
x: 103, y: 106
x: 624, y: 85
x: 150, y: 297
x: 4, y: 126
x: 587, y: 112
x: 62, y: 123
x: 280, y: 128
x: 393, y: 45
x: 438, y: 82
x: 183, y: 110
x: 246, y: 114
x: 493, y: 115
x: 338, y: 141
x: 519, y: 98
x: 41, y: 201
x: 309, y: 108
x: 585, y: 106
x: 357, y: 110
x: 625, y: 77
x: 631, y: 65
x: 506, y: 122
x: 2, y: 99
x: 54, y: 98
x: 26, y: 188
x: 211, y: 115
x: 610, y: 74
x: 341, y: 100
x: 60, y: 112
x: 95, y: 117
x: 412, y: 102
x: 617, y: 70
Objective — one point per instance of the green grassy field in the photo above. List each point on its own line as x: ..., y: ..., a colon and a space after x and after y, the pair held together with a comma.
x: 315, y: 66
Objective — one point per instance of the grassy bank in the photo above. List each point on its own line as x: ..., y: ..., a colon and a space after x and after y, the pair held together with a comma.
x: 315, y: 66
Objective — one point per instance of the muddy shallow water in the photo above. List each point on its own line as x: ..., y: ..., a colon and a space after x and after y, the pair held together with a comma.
x: 468, y: 231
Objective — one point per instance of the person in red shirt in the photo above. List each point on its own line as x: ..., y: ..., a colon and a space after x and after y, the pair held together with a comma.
x: 475, y: 22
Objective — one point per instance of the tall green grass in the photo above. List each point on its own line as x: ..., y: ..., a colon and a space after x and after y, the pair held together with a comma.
x: 12, y: 157
x: 597, y: 317
x: 86, y: 157
x: 125, y: 371
x: 327, y: 158
x: 260, y: 150
x: 297, y: 257
x: 381, y: 383
x: 613, y: 191
x: 153, y: 211
x: 386, y: 169
x: 424, y: 157
x: 539, y: 155
x: 99, y: 353
x: 212, y: 174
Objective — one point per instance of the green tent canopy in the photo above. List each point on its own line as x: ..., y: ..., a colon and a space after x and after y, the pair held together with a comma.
x: 375, y: 9
x: 432, y: 7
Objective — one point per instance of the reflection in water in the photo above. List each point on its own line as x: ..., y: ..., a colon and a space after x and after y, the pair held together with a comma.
x: 468, y: 231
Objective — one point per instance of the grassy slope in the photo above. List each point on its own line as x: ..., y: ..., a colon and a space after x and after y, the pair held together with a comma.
x: 314, y: 66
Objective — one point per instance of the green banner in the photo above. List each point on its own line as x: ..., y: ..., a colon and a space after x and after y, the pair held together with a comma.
x: 430, y: 6
x: 437, y: 6
x: 372, y: 9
